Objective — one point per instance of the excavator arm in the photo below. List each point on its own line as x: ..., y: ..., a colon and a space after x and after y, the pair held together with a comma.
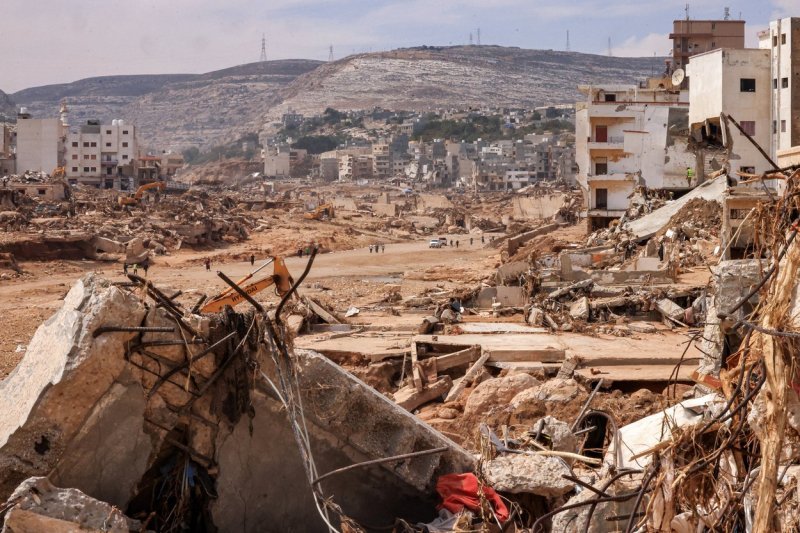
x: 280, y: 278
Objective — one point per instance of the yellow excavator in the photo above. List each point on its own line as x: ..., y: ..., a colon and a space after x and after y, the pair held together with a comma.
x: 136, y: 197
x: 322, y: 212
x: 59, y: 172
x: 280, y: 278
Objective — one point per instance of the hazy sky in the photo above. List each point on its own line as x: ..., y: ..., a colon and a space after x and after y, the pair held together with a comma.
x: 54, y: 41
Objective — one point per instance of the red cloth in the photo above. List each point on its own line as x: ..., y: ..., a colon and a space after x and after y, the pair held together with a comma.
x: 461, y: 490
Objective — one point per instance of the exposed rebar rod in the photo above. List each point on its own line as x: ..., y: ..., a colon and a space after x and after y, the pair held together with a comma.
x: 138, y: 329
x: 411, y: 455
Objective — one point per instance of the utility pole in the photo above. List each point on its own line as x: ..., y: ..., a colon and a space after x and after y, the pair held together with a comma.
x: 609, y: 46
x: 263, y: 48
x: 568, y: 41
x: 470, y: 38
x: 330, y: 53
x: 479, y: 36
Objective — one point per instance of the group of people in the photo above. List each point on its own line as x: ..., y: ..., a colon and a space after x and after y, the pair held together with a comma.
x: 145, y: 265
x: 377, y: 248
x: 305, y: 251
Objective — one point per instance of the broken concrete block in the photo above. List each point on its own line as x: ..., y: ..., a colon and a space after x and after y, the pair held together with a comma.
x: 642, y: 327
x: 670, y: 309
x: 49, y: 403
x: 38, y: 506
x: 533, y: 474
x: 558, y: 433
x: 535, y: 317
x: 579, y: 309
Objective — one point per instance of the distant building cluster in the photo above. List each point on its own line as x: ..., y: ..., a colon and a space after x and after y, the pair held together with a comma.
x: 715, y: 102
x: 105, y: 156
x: 500, y: 165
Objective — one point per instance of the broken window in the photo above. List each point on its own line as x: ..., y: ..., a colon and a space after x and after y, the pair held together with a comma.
x: 610, y: 97
x: 747, y: 170
x: 749, y: 127
x: 601, y: 198
x: 784, y: 83
x: 747, y: 85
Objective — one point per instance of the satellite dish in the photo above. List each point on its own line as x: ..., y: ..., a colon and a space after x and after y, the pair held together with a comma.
x: 678, y: 76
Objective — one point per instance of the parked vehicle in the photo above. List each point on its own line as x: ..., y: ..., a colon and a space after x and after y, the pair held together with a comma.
x: 435, y: 243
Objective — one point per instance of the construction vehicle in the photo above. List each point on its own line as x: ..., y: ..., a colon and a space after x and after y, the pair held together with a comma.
x: 322, y: 212
x: 136, y: 197
x: 280, y: 278
x: 59, y: 172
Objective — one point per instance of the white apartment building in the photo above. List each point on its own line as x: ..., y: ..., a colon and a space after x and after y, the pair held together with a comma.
x: 277, y: 164
x: 626, y: 136
x: 782, y: 39
x: 102, y: 155
x: 40, y: 143
x: 736, y: 82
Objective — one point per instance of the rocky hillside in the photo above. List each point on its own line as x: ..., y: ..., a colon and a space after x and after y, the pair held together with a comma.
x: 7, y: 108
x: 430, y: 77
x: 175, y: 111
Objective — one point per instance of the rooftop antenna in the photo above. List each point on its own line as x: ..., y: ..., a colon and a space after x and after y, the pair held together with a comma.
x: 609, y: 46
x: 479, y: 37
x: 687, y: 11
x: 567, y: 40
x: 330, y: 53
x: 263, y: 48
x: 727, y: 14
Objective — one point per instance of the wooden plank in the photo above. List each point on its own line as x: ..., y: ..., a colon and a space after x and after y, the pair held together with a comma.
x: 416, y: 373
x: 462, y: 357
x: 540, y: 355
x: 321, y: 312
x: 456, y: 391
x: 409, y: 398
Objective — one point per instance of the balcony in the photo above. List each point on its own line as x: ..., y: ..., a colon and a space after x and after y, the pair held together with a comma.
x: 109, y: 162
x: 610, y: 143
x: 606, y: 213
x: 613, y: 176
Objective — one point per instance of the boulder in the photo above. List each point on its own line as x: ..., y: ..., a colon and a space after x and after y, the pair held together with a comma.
x: 534, y: 474
x: 559, y: 433
x: 496, y: 393
x: 37, y: 505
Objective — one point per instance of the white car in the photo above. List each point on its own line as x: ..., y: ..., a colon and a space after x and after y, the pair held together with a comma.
x: 435, y: 243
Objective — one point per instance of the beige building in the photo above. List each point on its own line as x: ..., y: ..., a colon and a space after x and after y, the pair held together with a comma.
x: 102, y: 155
x: 40, y: 143
x: 692, y: 37
x: 628, y: 136
x: 381, y: 161
x: 277, y: 164
x: 7, y: 162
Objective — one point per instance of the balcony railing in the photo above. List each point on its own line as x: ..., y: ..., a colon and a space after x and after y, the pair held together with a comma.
x: 609, y: 140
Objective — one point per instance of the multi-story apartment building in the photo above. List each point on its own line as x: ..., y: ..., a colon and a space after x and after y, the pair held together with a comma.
x: 627, y: 136
x: 737, y: 83
x: 40, y: 143
x: 692, y: 37
x: 102, y: 155
x: 381, y: 161
x: 782, y: 39
x: 7, y: 161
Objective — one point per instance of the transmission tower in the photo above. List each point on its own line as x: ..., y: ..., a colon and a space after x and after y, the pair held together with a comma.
x: 609, y: 47
x: 330, y: 53
x: 567, y: 40
x: 263, y: 48
x: 478, y: 37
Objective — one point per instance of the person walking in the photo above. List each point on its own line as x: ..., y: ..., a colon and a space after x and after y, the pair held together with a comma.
x: 252, y: 259
x: 383, y: 248
x: 483, y: 240
x: 370, y: 248
x: 145, y: 266
x: 208, y: 264
x: 125, y: 268
x: 135, y: 268
x: 456, y: 244
x: 470, y: 241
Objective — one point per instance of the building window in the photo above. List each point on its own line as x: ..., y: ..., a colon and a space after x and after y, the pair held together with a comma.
x: 747, y: 170
x: 124, y: 132
x: 74, y: 144
x: 784, y: 83
x: 783, y: 126
x: 600, y: 166
x: 74, y: 156
x: 774, y: 83
x: 610, y: 98
x: 94, y: 145
x: 713, y: 44
x: 774, y: 126
x: 108, y: 145
x: 783, y: 38
x: 86, y: 169
x: 749, y: 127
x: 94, y: 169
x: 125, y: 156
x: 774, y: 41
x: 94, y: 157
x: 108, y: 132
x: 74, y: 169
x: 41, y: 192
x: 124, y: 145
x: 86, y: 145
x: 86, y: 156
x: 747, y: 85
x: 601, y: 198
